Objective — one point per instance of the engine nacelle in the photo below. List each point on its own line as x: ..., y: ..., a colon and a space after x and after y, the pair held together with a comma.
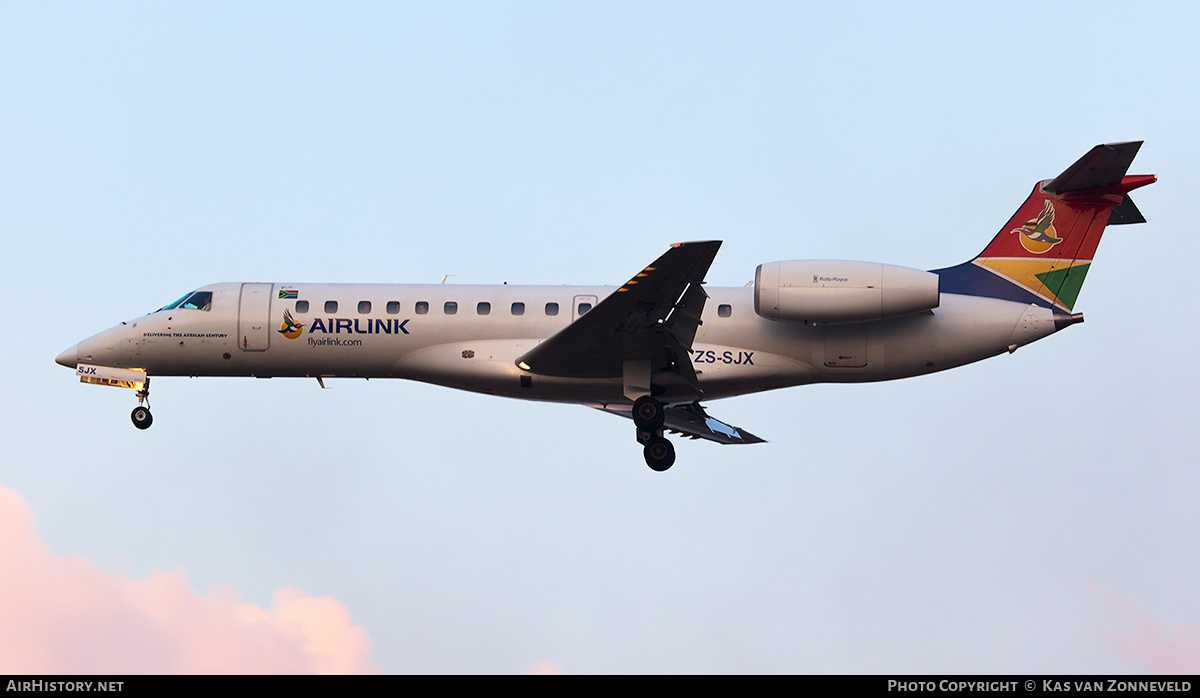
x: 833, y: 292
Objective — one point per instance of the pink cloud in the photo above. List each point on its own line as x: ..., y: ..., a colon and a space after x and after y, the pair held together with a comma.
x: 1147, y: 644
x: 62, y: 615
x: 546, y: 668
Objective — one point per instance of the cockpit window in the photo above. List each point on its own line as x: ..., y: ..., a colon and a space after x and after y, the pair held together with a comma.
x: 172, y: 306
x: 199, y: 300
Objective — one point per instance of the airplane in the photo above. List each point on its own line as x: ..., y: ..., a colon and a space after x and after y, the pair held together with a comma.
x: 652, y: 349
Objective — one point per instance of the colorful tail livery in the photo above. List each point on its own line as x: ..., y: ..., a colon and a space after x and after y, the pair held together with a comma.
x: 1044, y: 251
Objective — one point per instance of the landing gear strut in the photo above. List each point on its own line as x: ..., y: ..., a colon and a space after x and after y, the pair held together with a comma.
x: 648, y: 416
x: 142, y: 419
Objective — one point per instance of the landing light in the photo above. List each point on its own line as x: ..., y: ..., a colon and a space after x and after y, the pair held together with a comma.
x: 523, y: 366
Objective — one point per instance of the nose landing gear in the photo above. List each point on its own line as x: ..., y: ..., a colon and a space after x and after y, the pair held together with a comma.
x: 142, y: 419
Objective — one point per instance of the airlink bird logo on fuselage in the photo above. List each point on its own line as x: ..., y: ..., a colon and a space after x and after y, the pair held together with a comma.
x: 1037, y: 235
x: 290, y: 328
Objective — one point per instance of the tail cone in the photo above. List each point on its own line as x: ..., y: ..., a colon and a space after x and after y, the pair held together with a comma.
x: 1062, y: 320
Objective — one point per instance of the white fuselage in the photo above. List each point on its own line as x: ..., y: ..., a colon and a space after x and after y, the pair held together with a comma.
x: 406, y: 331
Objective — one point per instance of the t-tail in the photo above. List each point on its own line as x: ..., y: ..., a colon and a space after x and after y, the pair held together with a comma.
x: 1043, y: 253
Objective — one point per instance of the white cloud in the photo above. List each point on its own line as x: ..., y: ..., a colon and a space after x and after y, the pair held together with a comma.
x: 64, y: 615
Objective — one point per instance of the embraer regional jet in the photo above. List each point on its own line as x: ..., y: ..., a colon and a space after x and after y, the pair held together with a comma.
x: 653, y: 348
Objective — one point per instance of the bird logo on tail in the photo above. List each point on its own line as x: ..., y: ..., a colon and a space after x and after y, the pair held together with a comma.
x: 1037, y: 234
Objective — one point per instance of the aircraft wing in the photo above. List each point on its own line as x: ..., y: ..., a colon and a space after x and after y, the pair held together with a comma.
x: 651, y: 321
x: 691, y: 420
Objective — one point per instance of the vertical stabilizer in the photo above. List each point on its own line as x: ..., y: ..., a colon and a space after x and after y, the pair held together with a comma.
x: 1043, y: 253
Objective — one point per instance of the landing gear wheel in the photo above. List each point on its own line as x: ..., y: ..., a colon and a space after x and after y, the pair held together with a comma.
x: 141, y: 417
x: 660, y: 454
x: 648, y: 413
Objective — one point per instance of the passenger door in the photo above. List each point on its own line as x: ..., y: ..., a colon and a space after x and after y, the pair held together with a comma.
x: 254, y: 317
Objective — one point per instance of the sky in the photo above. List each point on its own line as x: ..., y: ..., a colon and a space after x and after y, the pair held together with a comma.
x: 1033, y: 513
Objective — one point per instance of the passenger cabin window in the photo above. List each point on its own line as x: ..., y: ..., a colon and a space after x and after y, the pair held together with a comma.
x: 552, y: 308
x: 518, y: 308
x: 364, y: 307
x: 393, y: 307
x: 584, y: 307
x: 301, y: 306
x: 422, y: 307
x: 450, y: 308
x: 483, y: 308
x: 724, y: 310
x: 331, y: 307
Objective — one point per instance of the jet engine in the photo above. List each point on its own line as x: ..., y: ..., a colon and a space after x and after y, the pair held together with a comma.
x: 833, y: 292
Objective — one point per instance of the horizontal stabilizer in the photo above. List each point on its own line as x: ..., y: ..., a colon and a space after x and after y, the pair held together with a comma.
x: 1102, y: 166
x: 1125, y: 214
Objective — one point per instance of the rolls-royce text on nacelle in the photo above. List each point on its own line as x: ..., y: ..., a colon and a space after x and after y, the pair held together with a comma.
x: 653, y: 348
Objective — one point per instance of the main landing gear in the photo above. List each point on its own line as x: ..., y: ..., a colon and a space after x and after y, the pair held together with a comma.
x: 648, y: 416
x: 142, y: 419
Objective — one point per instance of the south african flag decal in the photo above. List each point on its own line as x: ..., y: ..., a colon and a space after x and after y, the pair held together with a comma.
x: 287, y: 293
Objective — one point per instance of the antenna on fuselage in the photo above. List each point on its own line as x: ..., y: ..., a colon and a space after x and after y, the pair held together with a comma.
x: 444, y: 277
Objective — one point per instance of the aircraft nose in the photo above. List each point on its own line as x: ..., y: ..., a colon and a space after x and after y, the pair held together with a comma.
x: 68, y: 358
